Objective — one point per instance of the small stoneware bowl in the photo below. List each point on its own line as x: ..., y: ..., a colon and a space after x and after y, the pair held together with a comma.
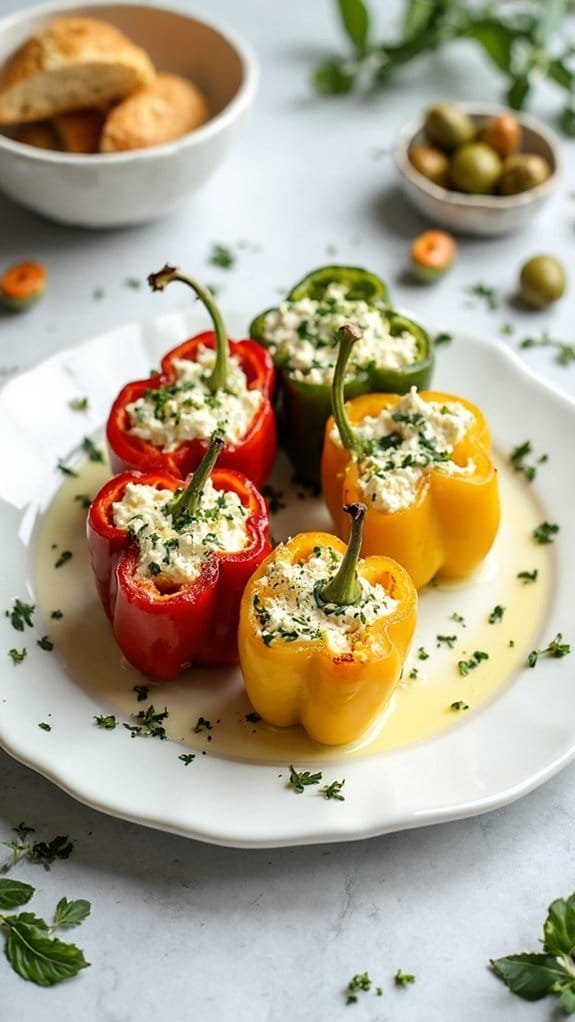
x: 477, y: 214
x: 115, y: 189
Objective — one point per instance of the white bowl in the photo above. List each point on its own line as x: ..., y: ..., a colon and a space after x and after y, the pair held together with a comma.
x: 477, y: 214
x: 115, y: 189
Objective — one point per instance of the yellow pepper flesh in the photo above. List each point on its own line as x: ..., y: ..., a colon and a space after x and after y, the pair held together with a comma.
x: 453, y: 522
x: 335, y: 697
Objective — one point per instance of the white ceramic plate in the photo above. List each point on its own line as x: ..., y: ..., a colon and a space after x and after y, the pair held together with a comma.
x: 489, y: 757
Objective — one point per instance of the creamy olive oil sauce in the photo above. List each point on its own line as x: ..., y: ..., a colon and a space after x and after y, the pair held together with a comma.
x: 458, y: 663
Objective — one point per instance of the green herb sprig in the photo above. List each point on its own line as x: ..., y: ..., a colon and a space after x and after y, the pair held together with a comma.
x: 300, y: 779
x: 556, y: 648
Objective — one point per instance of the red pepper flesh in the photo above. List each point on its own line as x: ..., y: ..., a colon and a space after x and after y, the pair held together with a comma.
x: 163, y: 630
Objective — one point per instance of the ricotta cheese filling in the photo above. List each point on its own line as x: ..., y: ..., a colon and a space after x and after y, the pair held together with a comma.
x: 404, y: 443
x: 188, y: 410
x: 290, y: 611
x: 302, y: 336
x: 174, y: 555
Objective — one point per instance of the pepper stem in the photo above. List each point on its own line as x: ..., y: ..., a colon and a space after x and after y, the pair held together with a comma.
x: 344, y: 588
x: 219, y: 375
x: 347, y: 335
x: 188, y: 501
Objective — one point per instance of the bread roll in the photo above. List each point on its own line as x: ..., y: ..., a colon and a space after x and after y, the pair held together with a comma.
x: 71, y: 64
x: 164, y: 110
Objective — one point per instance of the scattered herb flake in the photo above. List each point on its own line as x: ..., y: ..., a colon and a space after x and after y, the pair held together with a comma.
x: 518, y: 456
x: 422, y: 654
x: 458, y: 619
x: 496, y: 615
x: 507, y: 329
x: 253, y: 717
x: 41, y: 853
x: 222, y: 256
x: 65, y: 556
x: 402, y: 979
x: 149, y: 723
x: 414, y: 673
x: 187, y: 758
x: 141, y: 692
x: 202, y: 725
x: 45, y: 643
x: 333, y: 790
x: 485, y: 293
x: 556, y: 648
x: 298, y: 780
x: 56, y: 615
x: 79, y: 404
x: 133, y: 282
x: 21, y: 614
x: 94, y: 453
x: 446, y: 640
x: 442, y: 338
x: 544, y: 533
x: 274, y: 499
x: 528, y: 576
x: 18, y: 655
x: 107, y: 721
x: 98, y: 293
x: 66, y: 470
x: 45, y: 726
x: 83, y: 500
x: 564, y: 353
x: 459, y: 705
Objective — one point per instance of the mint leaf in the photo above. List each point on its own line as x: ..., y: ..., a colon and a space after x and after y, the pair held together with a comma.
x: 14, y: 893
x: 559, y: 927
x: 355, y: 18
x: 38, y: 958
x: 531, y: 976
x: 71, y: 913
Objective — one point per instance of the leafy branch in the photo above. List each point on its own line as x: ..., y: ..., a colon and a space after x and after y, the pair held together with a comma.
x: 525, y: 41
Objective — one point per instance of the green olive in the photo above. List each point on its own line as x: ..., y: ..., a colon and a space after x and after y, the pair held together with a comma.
x: 475, y: 168
x: 432, y: 163
x: 542, y: 281
x: 521, y: 172
x: 448, y: 127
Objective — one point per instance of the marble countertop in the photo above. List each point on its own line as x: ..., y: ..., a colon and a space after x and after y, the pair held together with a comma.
x: 185, y: 930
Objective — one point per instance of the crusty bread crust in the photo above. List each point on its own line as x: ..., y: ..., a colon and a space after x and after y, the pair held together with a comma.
x: 79, y: 131
x: 40, y: 134
x: 72, y: 63
x: 162, y: 111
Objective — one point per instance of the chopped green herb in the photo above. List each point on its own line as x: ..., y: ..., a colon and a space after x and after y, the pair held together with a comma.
x: 94, y: 453
x: 458, y: 619
x: 465, y: 666
x: 517, y: 459
x: 154, y: 568
x: 459, y: 705
x: 106, y: 721
x: 507, y: 329
x: 414, y: 673
x: 556, y: 648
x: 187, y: 758
x: 422, y: 654
x: 446, y: 640
x: 442, y: 338
x: 21, y: 614
x: 202, y: 725
x: 333, y: 790
x: 528, y: 576
x: 222, y: 256
x: 56, y: 615
x: 564, y: 353
x: 83, y: 500
x: 79, y: 404
x: 535, y: 975
x: 45, y: 643
x: 44, y: 726
x: 496, y: 615
x: 133, y: 282
x: 253, y: 717
x: 18, y: 655
x: 66, y: 470
x: 141, y: 692
x: 41, y: 853
x: 544, y: 533
x: 361, y: 981
x: 402, y: 979
x: 98, y: 293
x: 486, y: 293
x: 299, y: 780
x: 65, y: 556
x: 149, y: 723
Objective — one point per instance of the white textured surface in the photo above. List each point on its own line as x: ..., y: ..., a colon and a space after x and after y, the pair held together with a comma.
x: 190, y: 931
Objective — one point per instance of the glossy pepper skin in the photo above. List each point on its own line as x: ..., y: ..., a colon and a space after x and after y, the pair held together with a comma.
x: 335, y: 697
x: 453, y: 522
x: 304, y: 407
x: 162, y: 632
x: 253, y: 455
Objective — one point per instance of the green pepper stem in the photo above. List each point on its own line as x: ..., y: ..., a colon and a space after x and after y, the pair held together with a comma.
x: 219, y: 375
x: 188, y: 501
x: 347, y: 335
x: 344, y: 588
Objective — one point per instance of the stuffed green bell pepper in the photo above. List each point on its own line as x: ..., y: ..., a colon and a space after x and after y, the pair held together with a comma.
x: 393, y: 355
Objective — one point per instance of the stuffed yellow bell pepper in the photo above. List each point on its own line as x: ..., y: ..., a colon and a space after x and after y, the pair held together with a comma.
x: 421, y: 462
x: 323, y: 636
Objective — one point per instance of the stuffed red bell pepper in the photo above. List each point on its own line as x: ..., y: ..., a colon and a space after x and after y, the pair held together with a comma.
x: 207, y: 384
x: 171, y: 561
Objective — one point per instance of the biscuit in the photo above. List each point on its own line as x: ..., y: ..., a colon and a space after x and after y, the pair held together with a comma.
x: 160, y: 112
x: 70, y: 64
